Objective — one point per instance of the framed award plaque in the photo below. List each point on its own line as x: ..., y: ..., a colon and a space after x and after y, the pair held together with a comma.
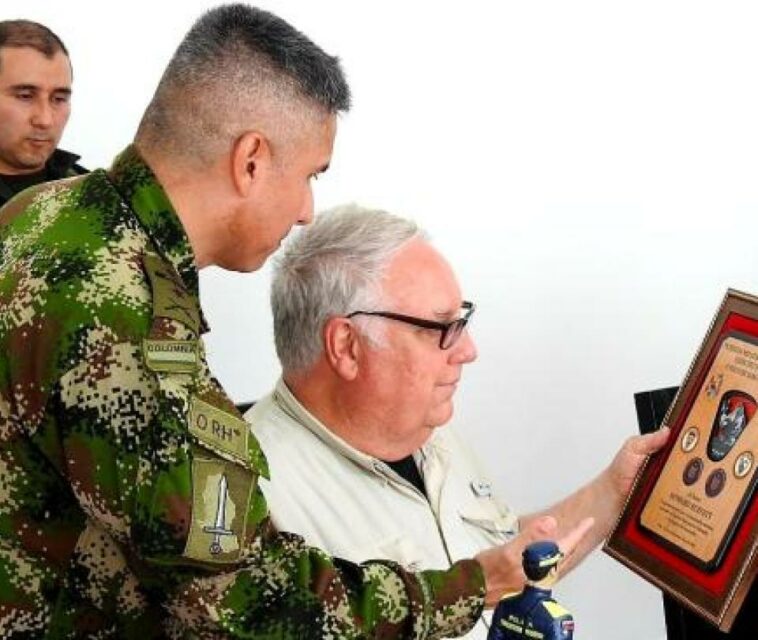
x: 690, y: 524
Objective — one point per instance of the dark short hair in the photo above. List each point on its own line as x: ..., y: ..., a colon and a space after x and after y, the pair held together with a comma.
x: 236, y: 67
x: 25, y: 33
x: 248, y: 30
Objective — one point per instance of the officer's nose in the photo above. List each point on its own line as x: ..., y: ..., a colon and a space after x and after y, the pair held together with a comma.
x: 306, y: 212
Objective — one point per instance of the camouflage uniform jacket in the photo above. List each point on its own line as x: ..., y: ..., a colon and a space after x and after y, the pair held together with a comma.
x: 129, y: 504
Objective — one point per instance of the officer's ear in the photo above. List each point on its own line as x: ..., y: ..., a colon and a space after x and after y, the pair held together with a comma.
x: 342, y: 347
x: 250, y: 161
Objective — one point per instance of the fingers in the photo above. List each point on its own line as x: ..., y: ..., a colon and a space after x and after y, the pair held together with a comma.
x: 649, y: 443
x: 503, y: 564
x: 660, y: 437
x: 537, y: 529
x: 540, y: 528
x: 630, y: 457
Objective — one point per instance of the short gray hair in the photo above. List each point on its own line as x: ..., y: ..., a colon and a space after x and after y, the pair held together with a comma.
x: 331, y: 268
x: 240, y: 68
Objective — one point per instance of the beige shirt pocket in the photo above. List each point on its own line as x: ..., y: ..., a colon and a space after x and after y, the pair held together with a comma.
x: 485, y: 514
x: 403, y: 550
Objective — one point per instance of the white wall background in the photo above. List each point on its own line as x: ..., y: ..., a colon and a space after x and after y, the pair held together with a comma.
x: 589, y: 168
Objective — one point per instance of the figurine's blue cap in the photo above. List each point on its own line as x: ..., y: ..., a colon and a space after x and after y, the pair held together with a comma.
x: 542, y: 554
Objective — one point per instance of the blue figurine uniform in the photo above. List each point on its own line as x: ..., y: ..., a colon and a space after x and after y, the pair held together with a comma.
x: 532, y: 613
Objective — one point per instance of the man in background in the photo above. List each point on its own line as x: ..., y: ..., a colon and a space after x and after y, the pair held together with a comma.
x: 35, y: 103
x: 371, y: 331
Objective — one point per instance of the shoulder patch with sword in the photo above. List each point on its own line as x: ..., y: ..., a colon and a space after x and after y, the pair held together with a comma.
x: 222, y: 491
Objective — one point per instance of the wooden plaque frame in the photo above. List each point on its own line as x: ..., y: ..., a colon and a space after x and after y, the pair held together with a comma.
x: 690, y: 523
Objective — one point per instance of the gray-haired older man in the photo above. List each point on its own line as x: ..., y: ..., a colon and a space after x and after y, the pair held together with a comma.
x: 371, y: 331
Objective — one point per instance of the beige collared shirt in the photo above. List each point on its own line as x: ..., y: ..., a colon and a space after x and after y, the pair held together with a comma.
x: 356, y: 507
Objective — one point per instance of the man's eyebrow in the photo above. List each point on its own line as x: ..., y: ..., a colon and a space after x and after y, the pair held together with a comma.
x: 24, y: 87
x: 34, y: 87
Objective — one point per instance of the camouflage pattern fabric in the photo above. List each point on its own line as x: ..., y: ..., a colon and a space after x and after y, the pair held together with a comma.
x: 129, y: 504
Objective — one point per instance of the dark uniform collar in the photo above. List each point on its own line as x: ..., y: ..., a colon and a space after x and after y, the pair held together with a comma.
x: 139, y: 186
x: 61, y: 163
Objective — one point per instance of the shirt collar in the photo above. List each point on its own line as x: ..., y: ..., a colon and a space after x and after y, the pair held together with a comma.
x: 61, y: 161
x: 139, y: 186
x: 288, y: 403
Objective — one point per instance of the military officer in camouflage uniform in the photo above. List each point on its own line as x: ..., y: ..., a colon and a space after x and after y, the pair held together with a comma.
x: 35, y: 103
x: 129, y: 503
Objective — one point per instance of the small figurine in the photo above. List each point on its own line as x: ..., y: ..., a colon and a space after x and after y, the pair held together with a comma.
x: 532, y: 613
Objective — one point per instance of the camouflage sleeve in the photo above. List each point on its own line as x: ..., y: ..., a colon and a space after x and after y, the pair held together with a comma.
x: 134, y: 465
x: 295, y: 591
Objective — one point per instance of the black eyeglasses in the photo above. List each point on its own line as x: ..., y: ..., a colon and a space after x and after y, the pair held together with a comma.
x: 451, y: 331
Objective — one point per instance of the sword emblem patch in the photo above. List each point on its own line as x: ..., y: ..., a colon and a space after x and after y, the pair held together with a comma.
x: 219, y: 525
x: 221, y: 495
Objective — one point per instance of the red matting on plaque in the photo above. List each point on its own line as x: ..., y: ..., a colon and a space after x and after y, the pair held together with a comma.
x: 718, y: 581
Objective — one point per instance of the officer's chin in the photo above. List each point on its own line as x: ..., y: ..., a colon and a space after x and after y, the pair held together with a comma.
x: 244, y: 265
